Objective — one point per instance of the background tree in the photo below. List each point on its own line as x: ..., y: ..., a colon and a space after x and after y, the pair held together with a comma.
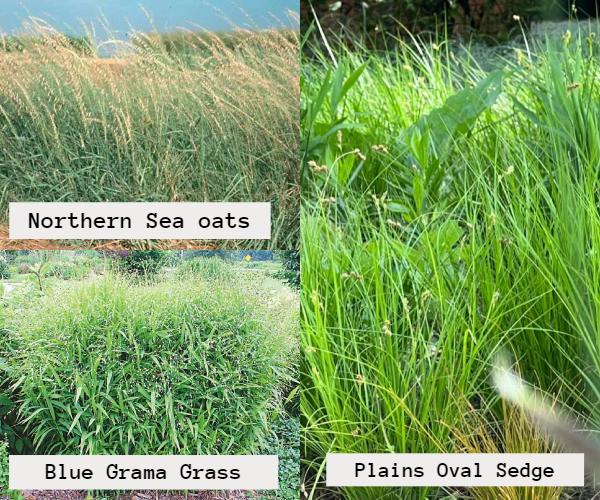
x: 290, y: 273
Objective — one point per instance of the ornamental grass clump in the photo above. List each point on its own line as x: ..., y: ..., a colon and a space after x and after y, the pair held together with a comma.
x: 207, y: 268
x: 197, y: 120
x: 115, y: 368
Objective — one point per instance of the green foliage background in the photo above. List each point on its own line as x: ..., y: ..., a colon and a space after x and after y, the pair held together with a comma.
x: 492, y: 19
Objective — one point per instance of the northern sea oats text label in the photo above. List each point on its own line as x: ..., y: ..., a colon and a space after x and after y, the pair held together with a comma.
x: 140, y: 221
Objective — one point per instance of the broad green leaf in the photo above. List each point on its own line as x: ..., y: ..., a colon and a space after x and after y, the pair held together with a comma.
x: 454, y: 118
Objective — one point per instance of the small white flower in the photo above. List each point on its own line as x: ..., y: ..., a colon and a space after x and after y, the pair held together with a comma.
x: 432, y: 350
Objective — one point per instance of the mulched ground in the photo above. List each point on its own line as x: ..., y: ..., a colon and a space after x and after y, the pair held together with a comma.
x: 138, y: 495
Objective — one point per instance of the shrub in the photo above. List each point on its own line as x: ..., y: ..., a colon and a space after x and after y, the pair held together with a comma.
x: 68, y: 270
x: 138, y: 262
x: 114, y: 368
x: 207, y: 268
x: 4, y: 268
x: 291, y: 268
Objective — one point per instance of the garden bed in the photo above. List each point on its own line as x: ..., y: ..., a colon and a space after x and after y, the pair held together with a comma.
x: 148, y: 352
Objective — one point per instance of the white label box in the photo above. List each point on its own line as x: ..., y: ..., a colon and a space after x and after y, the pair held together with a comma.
x: 139, y: 221
x: 145, y: 472
x: 465, y: 470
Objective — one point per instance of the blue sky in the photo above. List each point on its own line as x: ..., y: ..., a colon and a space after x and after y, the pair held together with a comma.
x: 167, y: 14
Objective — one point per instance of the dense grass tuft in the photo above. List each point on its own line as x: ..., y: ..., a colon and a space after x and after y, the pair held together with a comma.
x: 451, y: 215
x: 213, y: 268
x: 189, y: 118
x: 110, y: 367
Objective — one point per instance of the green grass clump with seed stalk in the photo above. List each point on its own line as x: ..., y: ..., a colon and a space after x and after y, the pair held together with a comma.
x: 172, y: 117
x: 451, y: 216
